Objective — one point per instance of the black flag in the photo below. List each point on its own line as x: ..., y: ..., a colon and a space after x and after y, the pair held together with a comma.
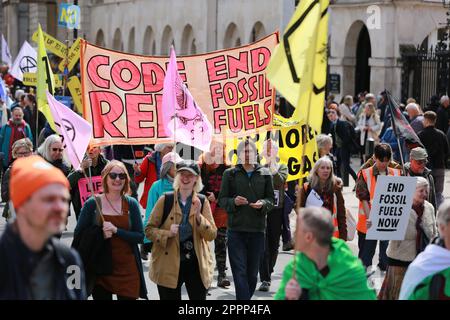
x: 401, y: 126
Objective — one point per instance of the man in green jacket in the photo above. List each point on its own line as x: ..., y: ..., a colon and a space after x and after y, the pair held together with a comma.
x: 247, y: 195
x: 326, y: 269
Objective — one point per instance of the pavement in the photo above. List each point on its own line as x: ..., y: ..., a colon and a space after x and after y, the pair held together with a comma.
x: 216, y: 293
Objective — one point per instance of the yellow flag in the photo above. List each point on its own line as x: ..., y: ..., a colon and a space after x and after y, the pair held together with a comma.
x: 297, y: 68
x: 45, y: 80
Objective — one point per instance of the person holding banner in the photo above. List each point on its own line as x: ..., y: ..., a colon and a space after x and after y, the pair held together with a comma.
x: 274, y: 221
x: 420, y: 230
x: 92, y: 166
x: 247, y: 195
x: 52, y: 150
x: 21, y: 148
x: 123, y: 225
x: 150, y: 168
x: 324, y: 190
x: 159, y: 187
x: 212, y: 166
x: 180, y: 226
x: 365, y: 191
x: 428, y: 275
x: 325, y: 267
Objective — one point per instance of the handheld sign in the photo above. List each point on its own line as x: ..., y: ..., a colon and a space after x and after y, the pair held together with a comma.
x: 69, y: 16
x: 83, y: 186
x: 391, y: 207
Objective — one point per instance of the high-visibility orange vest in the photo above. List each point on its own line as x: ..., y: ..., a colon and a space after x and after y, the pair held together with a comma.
x: 371, y: 182
x: 334, y: 213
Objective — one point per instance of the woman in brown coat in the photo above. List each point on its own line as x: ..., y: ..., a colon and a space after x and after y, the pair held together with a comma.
x: 180, y: 236
x: 324, y: 190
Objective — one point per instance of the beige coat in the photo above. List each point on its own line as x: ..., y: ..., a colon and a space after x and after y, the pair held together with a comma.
x: 406, y: 250
x: 165, y: 263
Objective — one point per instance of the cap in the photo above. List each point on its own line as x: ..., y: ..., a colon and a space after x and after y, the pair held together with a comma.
x: 172, y: 157
x: 31, y: 174
x: 418, y: 153
x: 189, y: 165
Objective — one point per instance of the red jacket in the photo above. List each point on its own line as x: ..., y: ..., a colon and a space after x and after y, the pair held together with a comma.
x: 149, y: 174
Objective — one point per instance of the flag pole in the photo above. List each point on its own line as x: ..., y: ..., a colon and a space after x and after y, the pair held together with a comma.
x: 308, y: 113
x: 394, y: 128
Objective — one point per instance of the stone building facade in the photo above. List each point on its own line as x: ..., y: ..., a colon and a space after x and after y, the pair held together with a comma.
x: 365, y: 36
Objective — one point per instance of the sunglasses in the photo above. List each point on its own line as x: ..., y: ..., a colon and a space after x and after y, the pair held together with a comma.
x: 113, y: 175
x: 57, y: 149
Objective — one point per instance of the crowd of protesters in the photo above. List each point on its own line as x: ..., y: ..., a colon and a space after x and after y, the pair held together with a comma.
x: 189, y: 205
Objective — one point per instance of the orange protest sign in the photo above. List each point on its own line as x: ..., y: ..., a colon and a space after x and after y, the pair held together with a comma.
x: 122, y: 93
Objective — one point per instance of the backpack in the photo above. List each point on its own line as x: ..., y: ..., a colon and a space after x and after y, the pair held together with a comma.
x: 168, y: 204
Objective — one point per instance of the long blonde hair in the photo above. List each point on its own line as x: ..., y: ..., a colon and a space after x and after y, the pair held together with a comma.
x: 314, y: 180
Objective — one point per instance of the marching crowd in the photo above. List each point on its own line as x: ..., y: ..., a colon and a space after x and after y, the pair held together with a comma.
x: 244, y: 209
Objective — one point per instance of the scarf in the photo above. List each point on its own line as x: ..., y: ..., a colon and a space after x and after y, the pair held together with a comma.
x: 17, y: 133
x: 345, y: 281
x: 419, y: 231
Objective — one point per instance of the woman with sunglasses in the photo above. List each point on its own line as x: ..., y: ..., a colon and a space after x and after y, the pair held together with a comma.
x: 52, y: 151
x: 123, y: 225
x: 20, y: 149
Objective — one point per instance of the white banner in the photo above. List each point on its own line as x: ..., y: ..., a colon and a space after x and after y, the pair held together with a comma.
x: 391, y: 207
x: 26, y: 61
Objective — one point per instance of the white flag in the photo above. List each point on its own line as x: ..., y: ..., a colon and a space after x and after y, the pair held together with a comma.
x: 26, y: 61
x: 6, y: 54
x: 76, y: 131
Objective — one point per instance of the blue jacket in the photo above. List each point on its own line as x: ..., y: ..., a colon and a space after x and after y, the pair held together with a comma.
x: 157, y: 189
x: 5, y: 137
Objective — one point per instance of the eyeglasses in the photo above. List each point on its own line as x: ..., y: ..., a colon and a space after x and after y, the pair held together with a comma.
x: 57, y: 149
x: 422, y: 161
x: 113, y: 175
x: 23, y: 154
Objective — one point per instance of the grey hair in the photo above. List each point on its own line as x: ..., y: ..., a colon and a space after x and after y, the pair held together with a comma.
x: 44, y: 149
x: 413, y: 106
x: 313, y: 177
x: 444, y: 98
x: 443, y: 215
x: 422, y: 182
x: 319, y: 221
x: 198, y: 186
x: 322, y: 140
x: 369, y: 96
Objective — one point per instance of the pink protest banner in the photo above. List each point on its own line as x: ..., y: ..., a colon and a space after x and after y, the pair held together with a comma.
x: 83, y: 186
x: 122, y: 93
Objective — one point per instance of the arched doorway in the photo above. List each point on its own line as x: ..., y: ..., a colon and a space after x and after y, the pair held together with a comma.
x: 100, y: 38
x: 167, y: 41
x: 362, y: 69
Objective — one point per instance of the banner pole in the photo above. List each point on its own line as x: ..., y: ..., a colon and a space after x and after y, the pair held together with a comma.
x: 394, y: 128
x: 308, y: 113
